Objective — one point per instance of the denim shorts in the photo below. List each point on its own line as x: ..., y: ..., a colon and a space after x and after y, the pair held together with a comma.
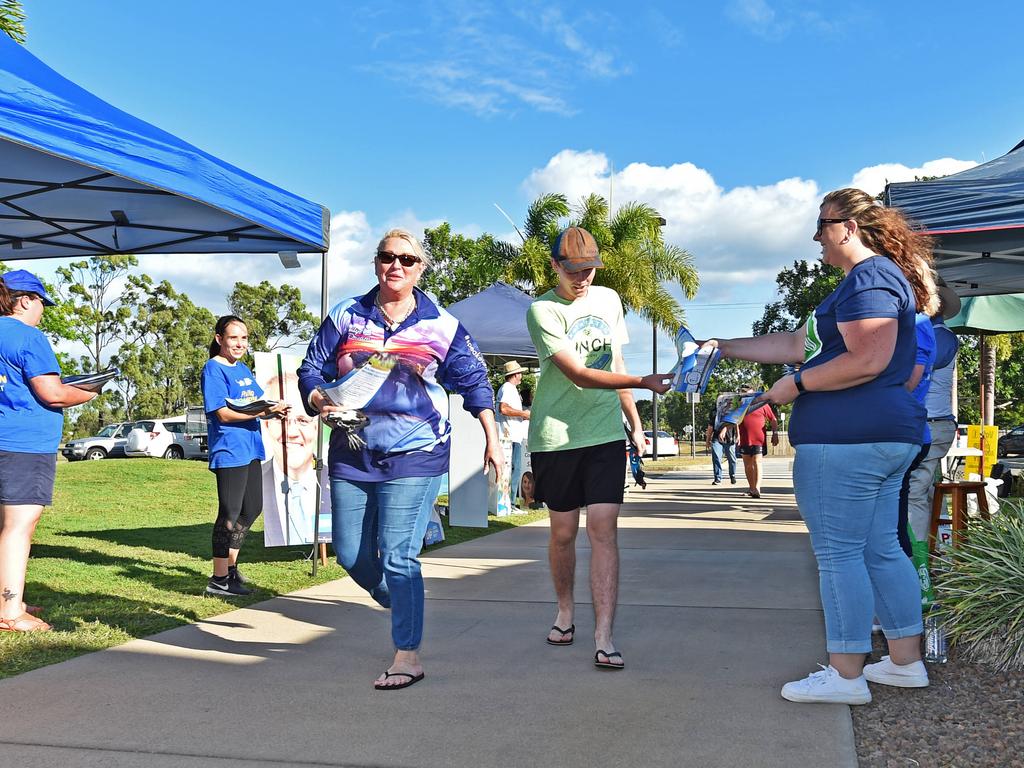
x: 27, y: 478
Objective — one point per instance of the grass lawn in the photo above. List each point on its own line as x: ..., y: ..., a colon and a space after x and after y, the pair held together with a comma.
x: 124, y: 552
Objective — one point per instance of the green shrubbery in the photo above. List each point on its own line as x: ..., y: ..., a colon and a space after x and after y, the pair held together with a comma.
x: 981, y: 588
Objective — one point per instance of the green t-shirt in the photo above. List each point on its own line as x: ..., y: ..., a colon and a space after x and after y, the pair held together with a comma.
x: 564, y: 416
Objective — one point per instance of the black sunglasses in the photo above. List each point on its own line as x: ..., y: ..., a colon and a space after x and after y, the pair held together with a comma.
x: 828, y: 221
x: 386, y: 257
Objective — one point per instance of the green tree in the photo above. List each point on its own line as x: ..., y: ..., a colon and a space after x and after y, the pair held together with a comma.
x: 460, y: 266
x: 99, y: 294
x: 163, y: 359
x: 801, y: 289
x: 276, y: 316
x: 12, y: 20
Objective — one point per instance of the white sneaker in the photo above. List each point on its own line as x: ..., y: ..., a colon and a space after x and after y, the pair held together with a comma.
x: 912, y: 675
x: 829, y: 687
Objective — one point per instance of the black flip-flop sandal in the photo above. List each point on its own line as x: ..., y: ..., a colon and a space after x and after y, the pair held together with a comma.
x: 413, y: 679
x: 571, y: 631
x: 607, y: 664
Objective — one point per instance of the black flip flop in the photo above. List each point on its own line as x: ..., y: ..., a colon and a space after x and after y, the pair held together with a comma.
x: 571, y: 631
x: 607, y: 664
x: 413, y: 679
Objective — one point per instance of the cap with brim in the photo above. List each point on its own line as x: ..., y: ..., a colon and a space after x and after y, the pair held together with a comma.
x: 24, y: 281
x: 575, y: 249
x: 511, y: 368
x: 949, y: 302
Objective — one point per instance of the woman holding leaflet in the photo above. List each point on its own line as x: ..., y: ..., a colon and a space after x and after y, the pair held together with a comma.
x: 856, y: 429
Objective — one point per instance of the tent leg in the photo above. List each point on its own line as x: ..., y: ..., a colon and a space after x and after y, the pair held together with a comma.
x: 318, y: 463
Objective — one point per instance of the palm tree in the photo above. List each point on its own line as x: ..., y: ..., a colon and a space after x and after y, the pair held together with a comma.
x: 12, y: 20
x: 637, y: 260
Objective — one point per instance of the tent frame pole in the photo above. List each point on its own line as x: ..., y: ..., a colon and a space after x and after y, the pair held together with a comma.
x: 319, y: 462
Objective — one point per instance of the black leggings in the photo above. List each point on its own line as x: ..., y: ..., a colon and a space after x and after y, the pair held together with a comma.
x: 903, y: 523
x: 239, y: 503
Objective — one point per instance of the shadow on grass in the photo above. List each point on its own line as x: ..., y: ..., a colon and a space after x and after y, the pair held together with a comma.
x: 191, y: 540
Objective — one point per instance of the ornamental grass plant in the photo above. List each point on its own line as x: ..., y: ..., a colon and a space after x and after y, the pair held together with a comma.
x: 981, y: 589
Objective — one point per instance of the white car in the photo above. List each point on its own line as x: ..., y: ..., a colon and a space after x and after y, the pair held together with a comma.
x: 161, y: 439
x: 667, y: 445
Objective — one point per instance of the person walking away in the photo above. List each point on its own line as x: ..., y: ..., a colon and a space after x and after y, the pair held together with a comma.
x: 236, y: 450
x: 856, y: 429
x: 388, y: 454
x: 575, y: 436
x: 32, y: 399
x: 752, y: 436
x: 511, y: 418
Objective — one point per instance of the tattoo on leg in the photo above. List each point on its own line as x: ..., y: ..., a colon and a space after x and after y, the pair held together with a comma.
x: 8, y: 595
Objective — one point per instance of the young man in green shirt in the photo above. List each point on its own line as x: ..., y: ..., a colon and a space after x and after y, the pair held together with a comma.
x: 575, y: 439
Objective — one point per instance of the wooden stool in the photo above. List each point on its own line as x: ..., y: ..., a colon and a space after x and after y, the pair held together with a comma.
x: 958, y: 496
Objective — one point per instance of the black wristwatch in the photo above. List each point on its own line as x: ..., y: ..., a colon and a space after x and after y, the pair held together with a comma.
x: 797, y: 379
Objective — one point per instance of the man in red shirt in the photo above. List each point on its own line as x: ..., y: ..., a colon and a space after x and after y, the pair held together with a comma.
x: 752, y: 442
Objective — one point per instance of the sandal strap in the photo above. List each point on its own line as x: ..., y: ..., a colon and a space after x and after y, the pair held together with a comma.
x: 570, y: 631
x: 607, y: 655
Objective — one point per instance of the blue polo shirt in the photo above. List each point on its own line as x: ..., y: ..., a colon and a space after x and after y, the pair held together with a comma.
x: 238, y: 443
x: 26, y: 424
x: 877, y: 411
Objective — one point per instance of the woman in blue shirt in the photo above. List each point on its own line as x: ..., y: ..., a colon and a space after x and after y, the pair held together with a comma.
x: 32, y: 397
x: 236, y: 450
x: 856, y: 430
x: 398, y: 353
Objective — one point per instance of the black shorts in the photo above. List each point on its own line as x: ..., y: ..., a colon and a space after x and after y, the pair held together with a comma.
x: 27, y: 478
x: 751, y: 450
x: 570, y: 479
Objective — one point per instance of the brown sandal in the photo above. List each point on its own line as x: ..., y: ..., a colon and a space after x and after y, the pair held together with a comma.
x: 24, y: 623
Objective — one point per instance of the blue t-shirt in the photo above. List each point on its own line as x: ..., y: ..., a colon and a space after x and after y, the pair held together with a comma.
x: 26, y: 424
x: 238, y: 443
x: 877, y: 411
x: 926, y: 357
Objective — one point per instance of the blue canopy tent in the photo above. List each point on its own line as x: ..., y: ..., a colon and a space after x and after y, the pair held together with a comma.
x: 977, y: 217
x: 79, y: 177
x: 496, y: 319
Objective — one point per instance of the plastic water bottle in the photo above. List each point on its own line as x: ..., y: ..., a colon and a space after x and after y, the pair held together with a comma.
x: 934, y: 638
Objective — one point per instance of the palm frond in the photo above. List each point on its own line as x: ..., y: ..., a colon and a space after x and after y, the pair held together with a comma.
x: 544, y: 212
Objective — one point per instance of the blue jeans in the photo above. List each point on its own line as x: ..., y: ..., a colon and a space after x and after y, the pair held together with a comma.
x: 849, y: 497
x: 717, y: 449
x: 517, y: 472
x: 377, y: 531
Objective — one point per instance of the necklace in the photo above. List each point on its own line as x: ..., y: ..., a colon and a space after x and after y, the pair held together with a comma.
x: 394, y: 322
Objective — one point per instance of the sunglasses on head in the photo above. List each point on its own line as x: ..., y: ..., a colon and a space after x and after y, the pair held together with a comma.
x: 386, y: 257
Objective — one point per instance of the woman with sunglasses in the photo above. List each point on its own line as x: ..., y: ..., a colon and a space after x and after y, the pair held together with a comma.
x: 856, y: 429
x: 32, y: 399
x: 386, y: 359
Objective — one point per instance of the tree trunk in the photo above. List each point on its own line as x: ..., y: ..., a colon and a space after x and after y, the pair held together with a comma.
x: 987, y: 374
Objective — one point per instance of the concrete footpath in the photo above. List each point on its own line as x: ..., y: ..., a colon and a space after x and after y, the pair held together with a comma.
x: 718, y: 608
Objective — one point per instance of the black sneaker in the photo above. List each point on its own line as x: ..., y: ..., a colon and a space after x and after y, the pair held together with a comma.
x: 716, y: 482
x: 236, y: 575
x: 225, y: 586
x: 732, y: 480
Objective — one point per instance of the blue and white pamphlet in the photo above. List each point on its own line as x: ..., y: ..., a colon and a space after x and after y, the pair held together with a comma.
x: 695, y: 365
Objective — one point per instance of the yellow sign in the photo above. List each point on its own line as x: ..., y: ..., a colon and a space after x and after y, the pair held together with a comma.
x: 974, y: 441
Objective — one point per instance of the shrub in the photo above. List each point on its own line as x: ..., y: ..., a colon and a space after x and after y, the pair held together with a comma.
x: 981, y: 589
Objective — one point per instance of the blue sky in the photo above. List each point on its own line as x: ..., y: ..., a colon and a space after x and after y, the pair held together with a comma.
x: 731, y: 118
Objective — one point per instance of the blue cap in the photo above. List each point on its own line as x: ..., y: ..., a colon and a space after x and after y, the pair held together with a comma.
x: 23, y: 280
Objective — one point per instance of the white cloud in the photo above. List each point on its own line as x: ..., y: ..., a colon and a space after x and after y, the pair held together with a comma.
x: 874, y: 178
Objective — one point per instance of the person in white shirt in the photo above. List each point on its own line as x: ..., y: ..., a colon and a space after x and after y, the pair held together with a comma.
x: 512, y: 418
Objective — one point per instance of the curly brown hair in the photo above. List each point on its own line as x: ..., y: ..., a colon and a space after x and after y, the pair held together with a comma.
x: 887, y: 232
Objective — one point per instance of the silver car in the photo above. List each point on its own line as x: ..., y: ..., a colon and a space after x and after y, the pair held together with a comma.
x: 108, y: 443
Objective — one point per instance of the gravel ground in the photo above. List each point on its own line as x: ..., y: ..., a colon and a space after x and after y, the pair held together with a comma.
x: 970, y: 715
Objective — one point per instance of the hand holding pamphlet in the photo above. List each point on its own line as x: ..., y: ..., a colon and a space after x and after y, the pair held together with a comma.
x: 732, y: 406
x: 249, y: 407
x: 356, y: 389
x: 92, y: 381
x: 695, y: 365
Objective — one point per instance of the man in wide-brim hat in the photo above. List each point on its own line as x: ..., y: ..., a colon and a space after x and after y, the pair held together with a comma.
x: 512, y: 418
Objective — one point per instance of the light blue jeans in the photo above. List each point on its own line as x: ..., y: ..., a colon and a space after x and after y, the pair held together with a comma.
x: 717, y: 449
x: 377, y: 533
x: 517, y: 472
x: 849, y: 497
